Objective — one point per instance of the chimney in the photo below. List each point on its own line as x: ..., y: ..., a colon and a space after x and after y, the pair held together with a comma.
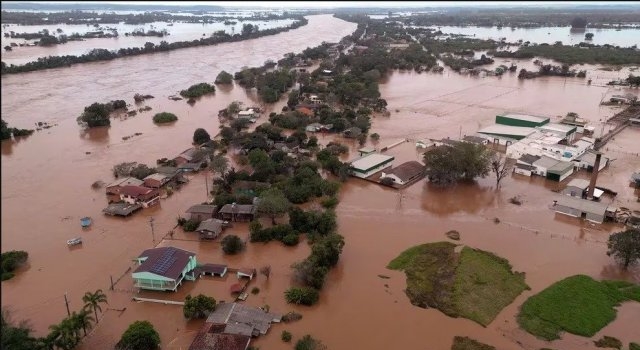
x: 594, y: 176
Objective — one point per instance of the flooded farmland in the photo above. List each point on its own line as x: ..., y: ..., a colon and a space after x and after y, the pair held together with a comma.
x: 47, y: 177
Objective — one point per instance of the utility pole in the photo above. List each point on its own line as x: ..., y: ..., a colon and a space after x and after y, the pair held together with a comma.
x: 153, y: 236
x: 206, y: 182
x: 66, y: 302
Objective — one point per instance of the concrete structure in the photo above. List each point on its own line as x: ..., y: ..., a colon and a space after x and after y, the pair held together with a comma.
x: 548, y: 144
x: 543, y: 164
x: 524, y: 169
x: 405, y: 172
x: 578, y: 188
x: 201, y: 212
x: 164, y: 268
x: 140, y: 195
x: 588, y: 160
x: 521, y: 120
x: 366, y: 150
x: 210, y: 270
x: 248, y: 273
x: 566, y: 132
x: 506, y: 131
x: 115, y: 187
x: 581, y: 208
x: 370, y: 164
x: 560, y: 171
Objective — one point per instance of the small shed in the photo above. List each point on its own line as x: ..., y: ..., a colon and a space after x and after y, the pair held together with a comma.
x: 248, y: 273
x: 576, y: 188
x: 366, y: 150
x: 237, y: 212
x: 215, y: 270
x: 201, y: 212
x: 523, y: 169
x: 406, y: 172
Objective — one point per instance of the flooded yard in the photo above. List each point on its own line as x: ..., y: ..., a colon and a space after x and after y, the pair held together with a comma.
x: 46, y: 189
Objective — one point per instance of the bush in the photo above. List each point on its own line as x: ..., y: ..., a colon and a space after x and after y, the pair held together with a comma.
x: 224, y: 78
x: 191, y: 225
x: 10, y: 261
x: 330, y: 203
x: 286, y: 336
x: 290, y: 239
x: 198, y: 90
x: 303, y: 296
x: 309, y: 343
x: 255, y: 290
x: 232, y: 244
x: 164, y: 117
x: 608, y: 342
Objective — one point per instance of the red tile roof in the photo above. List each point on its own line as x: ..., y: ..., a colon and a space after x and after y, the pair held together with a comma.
x: 208, y: 338
x: 135, y: 191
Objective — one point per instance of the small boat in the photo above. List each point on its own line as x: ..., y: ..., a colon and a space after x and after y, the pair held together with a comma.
x: 74, y: 241
x: 85, y: 221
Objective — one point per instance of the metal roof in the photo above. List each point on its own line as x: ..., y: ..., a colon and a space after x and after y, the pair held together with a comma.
x: 545, y: 162
x: 563, y: 128
x: 586, y: 206
x: 371, y: 160
x: 579, y: 183
x: 560, y: 167
x: 507, y: 130
x: 527, y: 117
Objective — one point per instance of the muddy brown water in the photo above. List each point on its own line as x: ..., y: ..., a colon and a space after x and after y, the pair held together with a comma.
x: 46, y: 189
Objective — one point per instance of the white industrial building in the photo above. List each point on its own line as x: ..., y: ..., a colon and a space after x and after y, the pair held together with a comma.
x: 370, y: 164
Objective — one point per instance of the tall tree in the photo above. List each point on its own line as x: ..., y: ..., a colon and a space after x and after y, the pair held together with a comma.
x: 92, y: 301
x: 14, y: 336
x: 500, y: 167
x: 219, y: 164
x: 625, y: 247
x: 201, y: 136
x: 273, y: 203
x: 139, y: 336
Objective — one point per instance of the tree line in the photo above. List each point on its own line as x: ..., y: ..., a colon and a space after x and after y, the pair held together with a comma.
x: 106, y: 55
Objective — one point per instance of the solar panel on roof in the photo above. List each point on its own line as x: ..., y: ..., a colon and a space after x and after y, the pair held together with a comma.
x: 164, y: 262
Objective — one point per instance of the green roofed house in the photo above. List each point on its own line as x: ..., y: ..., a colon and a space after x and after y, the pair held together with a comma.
x: 521, y: 120
x: 369, y: 164
x: 164, y: 268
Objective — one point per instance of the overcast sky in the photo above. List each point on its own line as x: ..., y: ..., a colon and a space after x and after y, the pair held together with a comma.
x: 333, y: 4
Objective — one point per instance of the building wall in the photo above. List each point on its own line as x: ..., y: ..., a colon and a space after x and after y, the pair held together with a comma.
x: 152, y: 183
x: 516, y: 122
x: 567, y: 211
x: 522, y: 171
x: 595, y: 218
x: 370, y: 172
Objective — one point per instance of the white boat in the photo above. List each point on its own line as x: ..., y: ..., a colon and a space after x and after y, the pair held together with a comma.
x: 74, y: 241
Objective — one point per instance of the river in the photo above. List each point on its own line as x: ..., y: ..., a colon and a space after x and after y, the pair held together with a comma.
x: 177, y: 32
x: 46, y: 188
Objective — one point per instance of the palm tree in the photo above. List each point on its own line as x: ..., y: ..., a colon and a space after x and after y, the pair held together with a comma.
x: 83, y: 319
x: 92, y: 301
x: 64, y: 334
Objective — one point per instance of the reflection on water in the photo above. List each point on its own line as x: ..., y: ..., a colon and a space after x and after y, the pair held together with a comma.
x: 468, y: 198
x: 97, y: 135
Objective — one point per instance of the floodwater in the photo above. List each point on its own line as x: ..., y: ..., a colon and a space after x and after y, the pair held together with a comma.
x: 549, y: 35
x: 177, y: 32
x: 46, y: 182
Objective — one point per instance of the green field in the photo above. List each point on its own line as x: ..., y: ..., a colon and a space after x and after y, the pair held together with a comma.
x: 473, y: 284
x: 577, y: 304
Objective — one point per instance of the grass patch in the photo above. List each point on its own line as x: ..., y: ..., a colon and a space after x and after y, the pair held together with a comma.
x: 578, y: 304
x: 473, y: 284
x: 466, y: 343
x: 485, y: 285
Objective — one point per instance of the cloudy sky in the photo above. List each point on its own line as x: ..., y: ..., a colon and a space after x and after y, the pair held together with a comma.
x: 333, y: 4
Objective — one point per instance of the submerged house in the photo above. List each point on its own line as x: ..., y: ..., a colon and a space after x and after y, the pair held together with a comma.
x: 238, y: 212
x: 156, y: 180
x: 405, y: 172
x: 581, y: 208
x: 115, y: 187
x: 201, y: 212
x: 140, y: 195
x: 210, y: 229
x: 164, y: 268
